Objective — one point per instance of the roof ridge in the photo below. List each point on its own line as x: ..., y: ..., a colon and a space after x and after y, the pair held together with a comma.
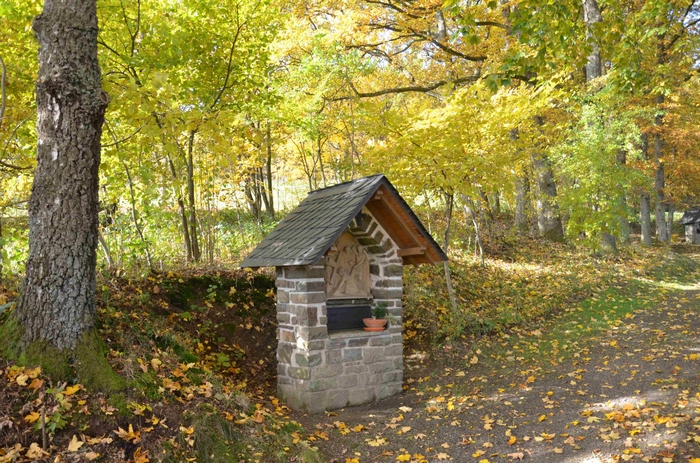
x: 346, y: 183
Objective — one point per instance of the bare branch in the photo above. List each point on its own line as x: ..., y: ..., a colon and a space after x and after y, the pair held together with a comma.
x: 409, y: 89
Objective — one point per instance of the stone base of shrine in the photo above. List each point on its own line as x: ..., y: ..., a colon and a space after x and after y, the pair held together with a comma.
x: 348, y: 368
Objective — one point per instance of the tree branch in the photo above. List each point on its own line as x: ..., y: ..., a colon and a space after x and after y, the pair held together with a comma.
x: 3, y: 82
x: 414, y: 88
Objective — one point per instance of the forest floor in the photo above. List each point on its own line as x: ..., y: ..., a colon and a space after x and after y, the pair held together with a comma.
x: 601, y: 364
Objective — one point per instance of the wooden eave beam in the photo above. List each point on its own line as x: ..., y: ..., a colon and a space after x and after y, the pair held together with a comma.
x: 417, y: 251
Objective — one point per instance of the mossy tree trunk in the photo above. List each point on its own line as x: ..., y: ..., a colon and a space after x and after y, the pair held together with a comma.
x: 57, y: 304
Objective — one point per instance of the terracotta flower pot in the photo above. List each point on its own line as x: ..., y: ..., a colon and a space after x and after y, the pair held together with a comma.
x: 374, y: 324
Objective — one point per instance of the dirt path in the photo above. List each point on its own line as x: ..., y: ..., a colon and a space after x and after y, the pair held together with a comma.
x: 630, y: 392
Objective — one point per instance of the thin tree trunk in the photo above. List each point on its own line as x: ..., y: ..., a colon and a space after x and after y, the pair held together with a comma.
x: 624, y: 223
x: 669, y: 229
x: 645, y: 218
x: 449, y: 199
x: 271, y: 209
x: 135, y: 218
x: 57, y: 304
x: 522, y: 201
x: 183, y: 214
x: 105, y: 249
x: 470, y: 210
x: 194, y: 239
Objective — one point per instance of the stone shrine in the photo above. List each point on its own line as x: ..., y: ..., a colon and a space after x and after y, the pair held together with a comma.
x: 337, y: 255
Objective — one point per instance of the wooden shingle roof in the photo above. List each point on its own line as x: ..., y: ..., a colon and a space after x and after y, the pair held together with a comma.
x: 306, y: 233
x: 691, y: 216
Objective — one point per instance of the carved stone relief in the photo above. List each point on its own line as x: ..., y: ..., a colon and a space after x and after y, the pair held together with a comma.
x: 347, y: 269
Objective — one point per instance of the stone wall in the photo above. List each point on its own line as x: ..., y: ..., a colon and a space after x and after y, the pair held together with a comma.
x: 319, y: 371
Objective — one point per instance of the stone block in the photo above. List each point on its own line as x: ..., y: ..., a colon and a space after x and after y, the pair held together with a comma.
x: 375, y: 379
x: 308, y: 298
x: 358, y: 342
x: 328, y: 371
x: 380, y: 341
x: 323, y: 320
x: 347, y: 381
x: 360, y: 396
x: 281, y: 283
x: 381, y: 367
x: 308, y: 360
x: 357, y: 368
x: 281, y: 369
x: 337, y: 399
x: 303, y: 272
x: 311, y: 333
x: 387, y: 390
x: 389, y: 283
x: 374, y: 269
x: 392, y: 377
x: 282, y: 296
x: 393, y: 270
x: 334, y: 356
x: 352, y: 354
x: 336, y: 343
x: 285, y: 380
x: 283, y: 317
x: 378, y: 236
x: 291, y: 396
x: 316, y: 345
x: 394, y: 350
x: 323, y: 384
x: 398, y: 363
x: 299, y: 372
x: 382, y: 293
x: 317, y: 285
x: 312, y: 316
x: 315, y: 402
x: 284, y: 352
x: 370, y: 227
x: 287, y: 336
x: 373, y: 354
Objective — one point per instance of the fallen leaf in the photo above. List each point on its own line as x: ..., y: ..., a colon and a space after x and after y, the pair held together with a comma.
x: 75, y: 444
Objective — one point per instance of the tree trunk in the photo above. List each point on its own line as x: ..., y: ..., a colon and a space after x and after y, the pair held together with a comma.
x: 669, y: 228
x: 183, y: 213
x: 594, y: 69
x: 522, y: 201
x: 194, y: 239
x: 57, y: 304
x: 548, y: 220
x: 450, y: 200
x: 271, y: 200
x: 659, y: 184
x: 645, y: 218
x: 105, y: 250
x: 624, y: 223
x: 135, y: 218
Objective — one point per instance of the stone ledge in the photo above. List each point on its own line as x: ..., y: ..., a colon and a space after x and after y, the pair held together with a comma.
x: 345, y: 334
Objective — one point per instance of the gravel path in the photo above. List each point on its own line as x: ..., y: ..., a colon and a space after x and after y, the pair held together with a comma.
x: 629, y: 393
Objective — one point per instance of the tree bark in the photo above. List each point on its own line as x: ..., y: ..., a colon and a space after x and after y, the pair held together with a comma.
x: 57, y: 304
x: 645, y: 218
x: 522, y: 201
x: 548, y: 220
x: 194, y: 238
x: 271, y: 200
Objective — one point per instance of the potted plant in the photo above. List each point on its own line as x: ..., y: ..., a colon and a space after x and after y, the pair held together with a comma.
x: 378, y: 320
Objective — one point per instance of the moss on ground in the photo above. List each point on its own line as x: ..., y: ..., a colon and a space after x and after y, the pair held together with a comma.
x: 86, y: 364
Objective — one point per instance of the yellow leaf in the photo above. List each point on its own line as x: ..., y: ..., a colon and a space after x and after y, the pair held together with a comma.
x: 474, y: 360
x: 141, y: 457
x: 542, y: 418
x: 442, y: 456
x: 92, y: 455
x: 156, y: 363
x: 404, y: 457
x: 512, y: 440
x: 405, y: 429
x: 32, y: 417
x: 22, y: 380
x: 558, y: 450
x: 405, y: 409
x: 70, y: 390
x: 35, y: 452
x: 75, y: 444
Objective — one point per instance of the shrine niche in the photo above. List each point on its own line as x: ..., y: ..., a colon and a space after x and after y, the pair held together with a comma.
x: 338, y: 254
x: 347, y: 270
